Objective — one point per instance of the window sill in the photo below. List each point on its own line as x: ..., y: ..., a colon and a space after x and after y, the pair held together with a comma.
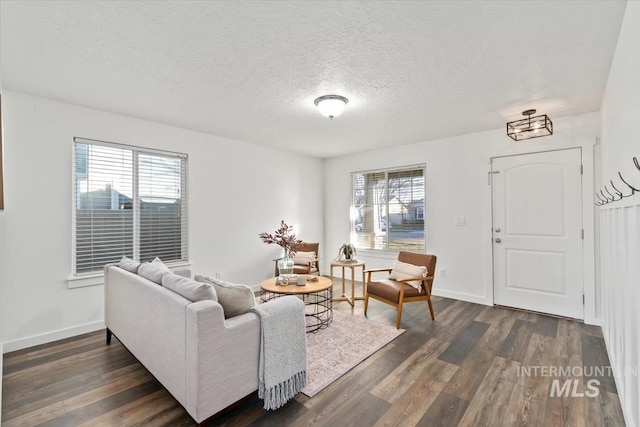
x: 377, y: 253
x: 85, y: 280
x: 94, y: 279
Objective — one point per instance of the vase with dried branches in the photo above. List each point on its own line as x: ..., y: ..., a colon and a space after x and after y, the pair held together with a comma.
x: 286, y: 239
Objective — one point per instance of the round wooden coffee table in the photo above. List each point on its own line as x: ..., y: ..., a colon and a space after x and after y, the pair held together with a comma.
x: 317, y: 297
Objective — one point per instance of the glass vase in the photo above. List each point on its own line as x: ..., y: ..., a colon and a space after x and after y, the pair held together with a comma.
x: 285, y: 266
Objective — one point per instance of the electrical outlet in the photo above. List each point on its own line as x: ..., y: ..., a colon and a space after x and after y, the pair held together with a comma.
x: 461, y: 221
x: 443, y: 272
x: 217, y: 274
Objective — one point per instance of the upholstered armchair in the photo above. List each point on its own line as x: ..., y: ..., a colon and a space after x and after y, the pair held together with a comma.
x: 411, y: 279
x: 305, y: 261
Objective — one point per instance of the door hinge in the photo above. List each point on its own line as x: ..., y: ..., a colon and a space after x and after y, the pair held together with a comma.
x: 489, y: 176
x: 581, y: 169
x: 583, y: 234
x: 582, y: 299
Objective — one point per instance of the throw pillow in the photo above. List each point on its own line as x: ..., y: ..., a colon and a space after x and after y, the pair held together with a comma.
x: 303, y: 257
x: 403, y: 270
x: 235, y: 299
x: 129, y: 265
x: 188, y: 288
x: 153, y: 270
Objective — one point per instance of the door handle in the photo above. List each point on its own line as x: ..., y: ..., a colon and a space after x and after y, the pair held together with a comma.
x: 498, y: 240
x: 497, y: 230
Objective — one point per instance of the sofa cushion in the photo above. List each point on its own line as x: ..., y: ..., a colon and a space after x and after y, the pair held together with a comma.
x: 403, y: 270
x: 235, y: 299
x: 129, y: 264
x: 189, y: 288
x: 153, y: 270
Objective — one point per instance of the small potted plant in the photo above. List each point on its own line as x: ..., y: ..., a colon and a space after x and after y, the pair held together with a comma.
x: 346, y: 253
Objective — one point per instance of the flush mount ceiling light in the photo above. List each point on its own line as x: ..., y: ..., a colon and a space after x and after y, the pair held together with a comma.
x: 331, y: 105
x: 531, y: 127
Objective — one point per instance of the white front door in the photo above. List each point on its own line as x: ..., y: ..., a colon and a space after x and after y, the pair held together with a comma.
x: 537, y: 232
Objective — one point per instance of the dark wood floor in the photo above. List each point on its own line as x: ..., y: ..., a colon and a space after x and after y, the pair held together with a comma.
x: 464, y: 369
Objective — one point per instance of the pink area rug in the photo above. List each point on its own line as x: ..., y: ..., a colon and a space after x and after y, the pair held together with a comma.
x: 334, y: 351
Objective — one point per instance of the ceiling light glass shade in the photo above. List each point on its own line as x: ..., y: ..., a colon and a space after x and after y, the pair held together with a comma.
x: 331, y: 105
x: 531, y: 127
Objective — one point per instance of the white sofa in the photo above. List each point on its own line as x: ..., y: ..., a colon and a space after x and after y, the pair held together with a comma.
x: 206, y: 362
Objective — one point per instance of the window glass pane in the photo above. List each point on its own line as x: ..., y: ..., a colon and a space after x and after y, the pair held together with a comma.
x: 103, y: 201
x: 388, y: 210
x: 370, y: 210
x: 161, y: 207
x: 406, y: 196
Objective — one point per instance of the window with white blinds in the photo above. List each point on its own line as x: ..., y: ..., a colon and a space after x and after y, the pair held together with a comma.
x: 127, y: 201
x: 388, y: 209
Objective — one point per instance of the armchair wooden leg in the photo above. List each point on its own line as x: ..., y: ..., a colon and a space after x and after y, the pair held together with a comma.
x: 399, y: 316
x: 366, y: 303
x: 109, y: 336
x: 433, y: 317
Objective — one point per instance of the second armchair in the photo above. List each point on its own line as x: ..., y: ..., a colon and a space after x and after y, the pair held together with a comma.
x: 305, y: 261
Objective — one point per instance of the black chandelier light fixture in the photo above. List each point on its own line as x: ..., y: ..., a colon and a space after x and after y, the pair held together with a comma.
x: 531, y: 127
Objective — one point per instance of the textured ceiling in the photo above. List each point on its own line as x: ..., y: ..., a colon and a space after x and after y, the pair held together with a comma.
x: 413, y: 71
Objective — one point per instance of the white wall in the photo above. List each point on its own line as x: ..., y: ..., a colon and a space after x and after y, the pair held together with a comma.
x: 1, y: 291
x: 236, y: 190
x: 1, y: 311
x: 1, y: 300
x: 620, y: 221
x: 456, y: 181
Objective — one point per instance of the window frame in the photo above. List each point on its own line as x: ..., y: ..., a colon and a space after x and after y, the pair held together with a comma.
x: 96, y: 277
x: 354, y: 214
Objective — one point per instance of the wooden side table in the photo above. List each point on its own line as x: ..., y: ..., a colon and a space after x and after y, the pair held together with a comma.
x: 352, y: 266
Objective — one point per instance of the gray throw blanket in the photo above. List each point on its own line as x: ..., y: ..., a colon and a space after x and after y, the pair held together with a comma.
x: 283, y: 350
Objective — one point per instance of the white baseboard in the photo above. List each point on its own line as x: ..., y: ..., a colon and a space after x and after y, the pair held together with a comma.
x: 461, y: 296
x: 51, y: 336
x: 617, y: 378
x: 594, y: 321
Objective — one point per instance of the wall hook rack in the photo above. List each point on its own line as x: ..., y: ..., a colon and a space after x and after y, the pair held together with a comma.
x: 602, y: 199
